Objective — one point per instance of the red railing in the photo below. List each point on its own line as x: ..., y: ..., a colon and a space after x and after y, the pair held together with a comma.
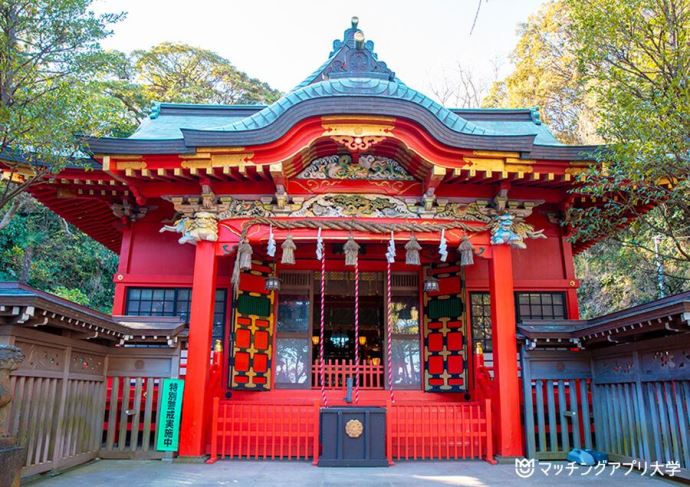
x: 414, y: 431
x: 282, y: 431
x: 337, y: 371
x: 440, y: 431
x: 484, y: 382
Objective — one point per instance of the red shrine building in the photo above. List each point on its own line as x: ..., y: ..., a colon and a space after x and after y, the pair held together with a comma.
x: 354, y: 243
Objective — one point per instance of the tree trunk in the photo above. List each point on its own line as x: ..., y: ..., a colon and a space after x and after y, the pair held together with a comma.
x: 26, y: 266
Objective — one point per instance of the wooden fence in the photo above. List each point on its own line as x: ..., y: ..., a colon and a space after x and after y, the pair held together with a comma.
x: 631, y: 401
x: 56, y: 419
x: 440, y: 431
x: 132, y: 400
x: 641, y: 401
x: 59, y: 410
x: 336, y: 373
x: 558, y: 413
x: 626, y: 430
x: 130, y: 417
x: 290, y: 431
x: 284, y: 431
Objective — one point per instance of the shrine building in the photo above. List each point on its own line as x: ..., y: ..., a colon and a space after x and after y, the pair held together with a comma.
x: 354, y: 244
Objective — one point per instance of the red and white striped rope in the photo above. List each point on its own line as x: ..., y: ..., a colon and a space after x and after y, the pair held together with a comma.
x: 389, y: 335
x: 356, y: 330
x: 322, y: 334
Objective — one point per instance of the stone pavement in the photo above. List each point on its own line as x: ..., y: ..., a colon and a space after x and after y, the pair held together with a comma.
x: 133, y: 473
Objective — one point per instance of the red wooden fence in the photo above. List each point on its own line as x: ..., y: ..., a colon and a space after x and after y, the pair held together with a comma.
x: 282, y: 431
x: 337, y: 371
x: 440, y: 431
x: 414, y: 431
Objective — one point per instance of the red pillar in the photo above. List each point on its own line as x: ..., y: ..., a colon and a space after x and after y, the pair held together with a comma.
x: 572, y: 306
x: 122, y: 271
x: 503, y: 329
x: 194, y: 427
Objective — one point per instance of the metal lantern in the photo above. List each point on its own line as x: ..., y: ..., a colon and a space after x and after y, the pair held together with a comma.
x: 272, y: 283
x: 363, y: 340
x: 430, y: 284
x: 315, y: 339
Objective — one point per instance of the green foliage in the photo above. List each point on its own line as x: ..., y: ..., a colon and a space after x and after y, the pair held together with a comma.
x: 56, y: 84
x: 636, y: 57
x: 176, y: 73
x: 544, y: 76
x: 49, y: 54
x: 616, y: 71
x: 182, y: 73
x: 75, y: 295
x: 41, y: 249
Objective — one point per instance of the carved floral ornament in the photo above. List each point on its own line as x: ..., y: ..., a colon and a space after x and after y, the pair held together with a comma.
x: 198, y: 217
x: 369, y: 167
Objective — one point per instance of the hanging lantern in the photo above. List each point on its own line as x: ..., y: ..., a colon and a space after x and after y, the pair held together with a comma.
x: 412, y: 249
x: 244, y: 254
x: 272, y: 283
x: 363, y: 340
x: 430, y: 284
x: 351, y: 249
x: 315, y: 339
x: 288, y: 247
x: 466, y: 252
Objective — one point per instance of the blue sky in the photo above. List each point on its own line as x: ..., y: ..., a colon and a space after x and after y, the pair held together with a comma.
x: 281, y: 42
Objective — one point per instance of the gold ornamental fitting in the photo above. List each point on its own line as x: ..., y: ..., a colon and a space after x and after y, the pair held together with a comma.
x: 218, y: 346
x: 478, y: 349
x: 354, y: 428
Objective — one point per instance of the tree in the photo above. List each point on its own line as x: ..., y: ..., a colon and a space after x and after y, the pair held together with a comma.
x: 544, y: 76
x: 85, y: 90
x: 182, y: 73
x: 556, y: 69
x: 634, y: 56
x: 49, y: 52
x: 44, y: 251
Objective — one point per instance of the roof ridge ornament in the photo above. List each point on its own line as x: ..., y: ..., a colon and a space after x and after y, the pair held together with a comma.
x: 354, y: 57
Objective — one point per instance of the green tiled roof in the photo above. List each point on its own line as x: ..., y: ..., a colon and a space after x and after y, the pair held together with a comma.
x: 365, y: 87
x: 351, y: 70
x: 544, y: 136
x: 168, y: 127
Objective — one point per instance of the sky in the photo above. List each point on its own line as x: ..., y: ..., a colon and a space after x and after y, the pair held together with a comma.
x: 282, y: 42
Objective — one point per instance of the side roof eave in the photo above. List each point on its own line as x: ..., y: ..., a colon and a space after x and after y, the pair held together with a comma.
x: 112, y: 145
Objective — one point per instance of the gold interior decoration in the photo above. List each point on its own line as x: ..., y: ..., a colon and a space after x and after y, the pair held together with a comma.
x: 354, y: 428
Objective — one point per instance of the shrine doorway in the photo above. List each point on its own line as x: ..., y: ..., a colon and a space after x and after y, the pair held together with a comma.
x: 298, y: 340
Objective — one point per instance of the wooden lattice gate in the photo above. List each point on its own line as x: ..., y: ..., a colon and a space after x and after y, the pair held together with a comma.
x: 631, y: 401
x: 74, y: 401
x: 557, y: 403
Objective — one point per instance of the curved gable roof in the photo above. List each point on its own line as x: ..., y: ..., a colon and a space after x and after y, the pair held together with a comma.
x: 353, y: 81
x: 347, y: 87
